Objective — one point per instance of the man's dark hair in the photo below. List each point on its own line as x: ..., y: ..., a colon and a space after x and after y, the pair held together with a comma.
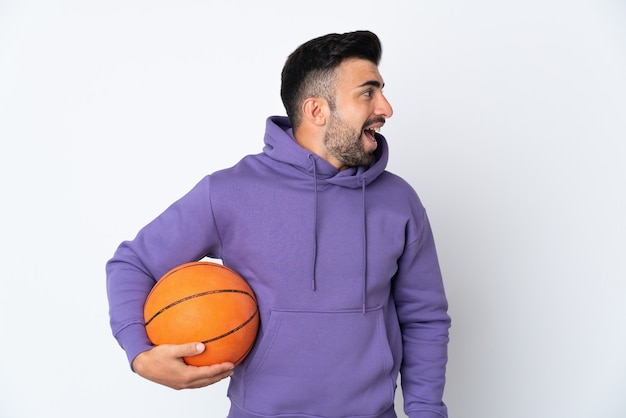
x: 310, y: 70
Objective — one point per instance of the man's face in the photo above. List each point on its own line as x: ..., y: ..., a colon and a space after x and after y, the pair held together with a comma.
x: 360, y: 109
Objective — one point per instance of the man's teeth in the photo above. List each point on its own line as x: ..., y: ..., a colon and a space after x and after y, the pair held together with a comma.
x: 373, y: 129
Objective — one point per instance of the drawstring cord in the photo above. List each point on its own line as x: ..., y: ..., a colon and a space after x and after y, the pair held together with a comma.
x: 313, y: 284
x: 364, y: 246
x: 364, y: 235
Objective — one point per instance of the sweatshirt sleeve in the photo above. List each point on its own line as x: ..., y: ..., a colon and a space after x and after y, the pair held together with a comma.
x: 184, y: 232
x: 422, y: 310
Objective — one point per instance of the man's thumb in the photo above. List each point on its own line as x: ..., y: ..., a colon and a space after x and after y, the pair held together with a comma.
x: 193, y: 349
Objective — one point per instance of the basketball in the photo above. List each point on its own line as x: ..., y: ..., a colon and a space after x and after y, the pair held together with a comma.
x: 203, y: 302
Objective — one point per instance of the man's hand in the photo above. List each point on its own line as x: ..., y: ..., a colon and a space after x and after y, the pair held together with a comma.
x: 164, y: 364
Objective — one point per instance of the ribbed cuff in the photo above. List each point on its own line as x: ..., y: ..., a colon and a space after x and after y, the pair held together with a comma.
x: 134, y: 341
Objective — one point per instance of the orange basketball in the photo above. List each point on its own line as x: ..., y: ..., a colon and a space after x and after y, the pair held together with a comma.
x: 204, y: 302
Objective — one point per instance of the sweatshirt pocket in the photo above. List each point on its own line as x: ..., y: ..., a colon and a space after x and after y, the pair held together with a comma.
x: 321, y: 364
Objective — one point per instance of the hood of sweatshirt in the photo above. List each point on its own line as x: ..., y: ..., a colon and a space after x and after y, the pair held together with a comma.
x: 280, y: 145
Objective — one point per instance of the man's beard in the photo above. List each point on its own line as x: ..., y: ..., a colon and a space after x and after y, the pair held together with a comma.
x: 346, y: 143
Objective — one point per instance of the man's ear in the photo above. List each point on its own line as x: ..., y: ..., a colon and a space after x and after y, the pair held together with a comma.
x: 315, y: 110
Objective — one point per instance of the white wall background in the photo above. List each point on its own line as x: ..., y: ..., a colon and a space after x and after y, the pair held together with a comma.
x: 510, y: 121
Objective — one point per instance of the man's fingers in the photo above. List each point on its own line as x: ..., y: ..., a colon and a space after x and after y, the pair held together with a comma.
x: 207, y: 375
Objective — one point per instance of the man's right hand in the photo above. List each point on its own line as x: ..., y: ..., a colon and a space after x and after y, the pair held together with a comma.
x: 164, y: 364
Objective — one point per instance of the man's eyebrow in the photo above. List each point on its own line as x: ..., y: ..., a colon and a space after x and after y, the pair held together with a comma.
x: 373, y: 83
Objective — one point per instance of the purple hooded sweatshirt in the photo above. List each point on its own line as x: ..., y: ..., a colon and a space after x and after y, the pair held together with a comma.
x: 344, y: 267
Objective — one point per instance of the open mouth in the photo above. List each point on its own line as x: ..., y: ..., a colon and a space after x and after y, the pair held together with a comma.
x: 369, y: 134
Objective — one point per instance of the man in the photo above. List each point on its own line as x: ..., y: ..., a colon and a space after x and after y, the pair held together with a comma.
x: 338, y: 251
